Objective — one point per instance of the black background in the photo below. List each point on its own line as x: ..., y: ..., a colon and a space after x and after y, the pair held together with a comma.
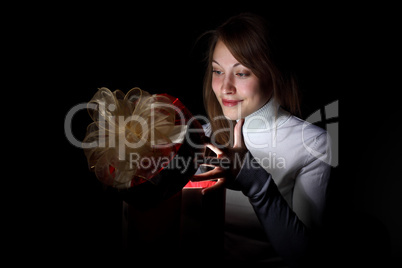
x: 338, y: 52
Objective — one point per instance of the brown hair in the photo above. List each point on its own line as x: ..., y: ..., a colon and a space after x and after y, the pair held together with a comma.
x: 246, y: 37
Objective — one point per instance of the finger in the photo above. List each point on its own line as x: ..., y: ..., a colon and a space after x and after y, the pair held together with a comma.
x: 219, y: 184
x: 223, y: 162
x: 238, y: 136
x: 216, y: 173
x: 215, y: 149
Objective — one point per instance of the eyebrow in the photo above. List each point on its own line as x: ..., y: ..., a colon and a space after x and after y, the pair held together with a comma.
x: 234, y: 65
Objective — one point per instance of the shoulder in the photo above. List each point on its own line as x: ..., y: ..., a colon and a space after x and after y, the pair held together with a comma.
x: 312, y: 140
x: 304, y: 128
x: 290, y: 122
x: 315, y: 140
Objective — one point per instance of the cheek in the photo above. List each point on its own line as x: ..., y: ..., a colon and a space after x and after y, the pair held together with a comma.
x: 215, y: 85
x: 249, y: 89
x: 254, y: 95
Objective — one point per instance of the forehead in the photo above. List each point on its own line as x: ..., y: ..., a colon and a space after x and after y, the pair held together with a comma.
x: 222, y: 55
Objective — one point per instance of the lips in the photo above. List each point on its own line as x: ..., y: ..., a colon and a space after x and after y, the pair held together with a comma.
x: 230, y: 103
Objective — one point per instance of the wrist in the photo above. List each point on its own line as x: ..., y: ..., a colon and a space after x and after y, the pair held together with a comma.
x: 251, y: 177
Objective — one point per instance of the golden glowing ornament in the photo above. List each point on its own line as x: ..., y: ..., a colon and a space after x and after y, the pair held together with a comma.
x: 133, y: 126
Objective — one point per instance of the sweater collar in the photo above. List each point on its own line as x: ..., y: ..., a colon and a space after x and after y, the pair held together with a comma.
x: 269, y: 116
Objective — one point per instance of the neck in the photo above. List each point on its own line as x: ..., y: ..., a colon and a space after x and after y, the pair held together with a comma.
x: 267, y: 117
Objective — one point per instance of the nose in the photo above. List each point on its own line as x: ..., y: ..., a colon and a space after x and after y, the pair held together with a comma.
x: 228, y: 86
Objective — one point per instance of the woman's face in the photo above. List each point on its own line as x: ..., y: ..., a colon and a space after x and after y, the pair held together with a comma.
x: 235, y: 86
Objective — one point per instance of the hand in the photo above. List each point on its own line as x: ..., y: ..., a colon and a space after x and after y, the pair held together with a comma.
x: 226, y: 164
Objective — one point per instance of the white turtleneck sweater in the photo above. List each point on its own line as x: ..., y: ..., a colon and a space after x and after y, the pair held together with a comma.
x: 297, y: 156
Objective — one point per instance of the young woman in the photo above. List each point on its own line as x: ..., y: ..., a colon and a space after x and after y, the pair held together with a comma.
x: 279, y: 164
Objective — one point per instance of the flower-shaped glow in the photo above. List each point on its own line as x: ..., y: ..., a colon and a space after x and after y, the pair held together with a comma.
x: 134, y: 135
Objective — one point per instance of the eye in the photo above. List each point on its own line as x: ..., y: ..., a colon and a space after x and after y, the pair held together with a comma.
x: 217, y: 72
x: 242, y: 75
